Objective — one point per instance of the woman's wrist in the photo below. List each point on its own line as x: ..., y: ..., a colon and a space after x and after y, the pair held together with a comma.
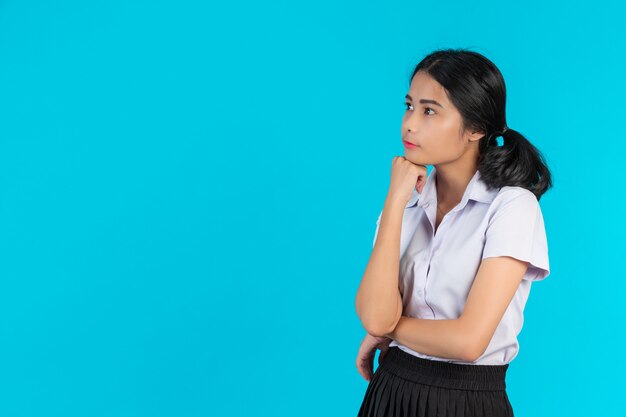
x: 394, y: 202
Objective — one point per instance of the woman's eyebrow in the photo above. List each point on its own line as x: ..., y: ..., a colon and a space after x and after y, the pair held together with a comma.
x: 426, y: 101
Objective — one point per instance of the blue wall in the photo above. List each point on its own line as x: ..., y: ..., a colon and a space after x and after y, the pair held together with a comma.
x: 188, y: 196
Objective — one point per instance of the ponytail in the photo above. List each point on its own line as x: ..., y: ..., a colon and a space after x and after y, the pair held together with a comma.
x: 516, y: 163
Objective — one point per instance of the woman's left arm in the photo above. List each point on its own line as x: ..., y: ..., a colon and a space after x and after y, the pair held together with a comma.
x: 467, y: 337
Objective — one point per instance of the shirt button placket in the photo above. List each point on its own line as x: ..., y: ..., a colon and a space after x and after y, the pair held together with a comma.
x: 421, y: 285
x: 436, y: 241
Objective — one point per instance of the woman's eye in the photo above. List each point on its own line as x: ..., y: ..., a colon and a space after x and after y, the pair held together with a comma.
x: 426, y: 109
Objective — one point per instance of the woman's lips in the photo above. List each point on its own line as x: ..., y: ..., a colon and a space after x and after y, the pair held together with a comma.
x: 409, y: 144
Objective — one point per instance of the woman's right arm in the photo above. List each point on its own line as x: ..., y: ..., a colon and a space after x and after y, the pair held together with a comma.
x: 378, y: 299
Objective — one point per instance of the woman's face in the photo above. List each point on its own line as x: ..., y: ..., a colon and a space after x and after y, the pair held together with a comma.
x: 434, y: 124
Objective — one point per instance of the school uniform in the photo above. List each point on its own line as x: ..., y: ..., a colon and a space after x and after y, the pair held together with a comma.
x: 437, y: 270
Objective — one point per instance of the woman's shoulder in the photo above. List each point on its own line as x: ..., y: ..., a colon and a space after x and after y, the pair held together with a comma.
x: 514, y: 199
x: 512, y: 193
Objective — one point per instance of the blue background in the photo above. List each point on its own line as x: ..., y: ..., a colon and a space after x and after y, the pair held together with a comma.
x: 189, y: 193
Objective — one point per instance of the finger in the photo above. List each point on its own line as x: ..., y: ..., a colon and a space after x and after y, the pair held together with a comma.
x: 364, y: 365
x: 419, y: 185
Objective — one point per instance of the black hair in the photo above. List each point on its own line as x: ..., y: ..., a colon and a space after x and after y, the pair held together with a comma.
x: 476, y: 88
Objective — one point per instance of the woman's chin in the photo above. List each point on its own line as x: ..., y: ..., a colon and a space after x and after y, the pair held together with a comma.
x: 415, y: 160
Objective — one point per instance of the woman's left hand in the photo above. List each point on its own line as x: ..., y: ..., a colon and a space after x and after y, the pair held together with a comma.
x: 367, y: 351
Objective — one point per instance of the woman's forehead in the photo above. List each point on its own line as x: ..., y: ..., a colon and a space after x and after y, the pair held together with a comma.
x: 423, y: 86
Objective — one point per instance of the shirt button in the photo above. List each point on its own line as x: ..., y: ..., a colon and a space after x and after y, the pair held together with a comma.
x: 419, y: 292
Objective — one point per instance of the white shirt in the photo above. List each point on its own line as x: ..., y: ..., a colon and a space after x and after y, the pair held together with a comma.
x: 437, y: 270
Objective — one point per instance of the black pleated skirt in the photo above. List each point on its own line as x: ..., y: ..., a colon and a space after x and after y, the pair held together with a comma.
x: 406, y: 385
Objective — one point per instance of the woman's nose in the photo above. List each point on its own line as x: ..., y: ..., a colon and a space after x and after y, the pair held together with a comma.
x: 411, y: 122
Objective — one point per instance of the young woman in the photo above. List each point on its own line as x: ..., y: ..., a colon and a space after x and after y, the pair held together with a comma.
x: 455, y: 251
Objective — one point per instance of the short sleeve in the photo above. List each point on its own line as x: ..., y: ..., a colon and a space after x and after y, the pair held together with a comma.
x: 516, y: 229
x: 377, y: 226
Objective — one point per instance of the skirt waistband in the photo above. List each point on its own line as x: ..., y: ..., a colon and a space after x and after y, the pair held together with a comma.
x: 444, y: 374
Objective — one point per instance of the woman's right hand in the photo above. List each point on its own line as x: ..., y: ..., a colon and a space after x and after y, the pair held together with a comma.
x: 405, y: 177
x: 367, y: 351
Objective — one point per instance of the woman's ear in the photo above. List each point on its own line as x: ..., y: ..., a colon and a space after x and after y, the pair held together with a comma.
x: 476, y: 135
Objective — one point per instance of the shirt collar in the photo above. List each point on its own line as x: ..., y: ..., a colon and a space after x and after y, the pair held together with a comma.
x: 476, y: 190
